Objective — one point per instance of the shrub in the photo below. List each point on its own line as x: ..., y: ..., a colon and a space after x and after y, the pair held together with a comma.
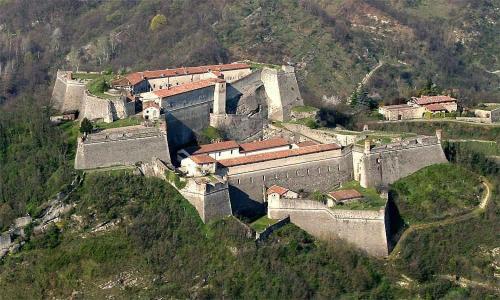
x: 98, y: 86
x: 312, y: 124
x: 158, y: 21
x: 86, y: 126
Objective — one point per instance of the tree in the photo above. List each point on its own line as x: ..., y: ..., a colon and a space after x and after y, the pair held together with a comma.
x: 86, y: 126
x: 158, y: 21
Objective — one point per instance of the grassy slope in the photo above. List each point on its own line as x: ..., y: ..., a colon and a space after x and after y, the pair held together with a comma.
x: 161, y: 237
x: 436, y: 192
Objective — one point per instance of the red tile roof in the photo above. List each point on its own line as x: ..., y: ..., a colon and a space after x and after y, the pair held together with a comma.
x: 345, y: 195
x: 187, y: 87
x: 434, y: 99
x: 231, y: 162
x: 202, y: 159
x: 435, y: 107
x: 148, y: 104
x: 265, y: 144
x: 208, y: 148
x: 277, y: 189
x: 306, y: 144
x: 135, y: 78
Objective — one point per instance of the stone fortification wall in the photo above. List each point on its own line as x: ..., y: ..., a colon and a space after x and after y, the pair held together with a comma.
x: 187, y: 114
x: 67, y: 94
x: 363, y: 228
x: 95, y: 108
x: 238, y: 127
x: 385, y: 164
x: 210, y: 199
x: 282, y: 90
x: 311, y: 134
x: 314, y: 172
x: 121, y: 146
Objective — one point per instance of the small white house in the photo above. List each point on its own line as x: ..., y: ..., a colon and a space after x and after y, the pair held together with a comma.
x: 277, y: 192
x: 150, y: 111
x: 198, y: 165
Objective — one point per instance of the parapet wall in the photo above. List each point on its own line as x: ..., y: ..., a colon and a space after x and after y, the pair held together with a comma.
x: 283, y: 92
x: 67, y: 93
x: 363, y: 228
x: 122, y: 146
x: 388, y: 163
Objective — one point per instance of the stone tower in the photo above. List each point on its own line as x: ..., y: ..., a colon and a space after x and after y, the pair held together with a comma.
x: 220, y: 98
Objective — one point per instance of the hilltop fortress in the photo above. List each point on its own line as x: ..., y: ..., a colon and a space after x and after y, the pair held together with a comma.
x: 280, y: 175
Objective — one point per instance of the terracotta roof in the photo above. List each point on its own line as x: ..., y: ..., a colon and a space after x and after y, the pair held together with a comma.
x: 435, y: 107
x: 135, y: 78
x: 277, y: 189
x: 187, y: 87
x: 345, y: 195
x: 265, y: 144
x: 231, y: 162
x: 202, y: 159
x: 434, y: 99
x: 203, y: 149
x: 148, y: 104
x: 306, y: 144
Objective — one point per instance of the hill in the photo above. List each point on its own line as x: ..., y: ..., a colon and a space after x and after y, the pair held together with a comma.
x: 333, y: 44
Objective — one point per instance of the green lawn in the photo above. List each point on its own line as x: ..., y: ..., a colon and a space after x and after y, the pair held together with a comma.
x: 119, y: 123
x: 371, y: 199
x: 436, y: 192
x: 262, y: 223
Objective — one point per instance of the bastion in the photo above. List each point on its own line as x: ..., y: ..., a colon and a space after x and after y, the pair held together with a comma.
x: 121, y: 147
x: 365, y: 229
x: 384, y: 164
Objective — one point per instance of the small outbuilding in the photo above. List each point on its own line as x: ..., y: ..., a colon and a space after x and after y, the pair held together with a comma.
x: 199, y: 165
x: 277, y: 192
x: 150, y: 111
x: 343, y: 196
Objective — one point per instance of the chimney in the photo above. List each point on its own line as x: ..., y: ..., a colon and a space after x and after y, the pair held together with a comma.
x: 439, y: 134
x: 367, y: 146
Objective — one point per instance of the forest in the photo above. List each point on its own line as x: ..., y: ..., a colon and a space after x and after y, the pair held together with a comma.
x: 332, y: 44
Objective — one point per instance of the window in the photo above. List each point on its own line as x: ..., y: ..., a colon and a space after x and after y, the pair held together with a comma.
x: 239, y: 181
x: 264, y: 178
x: 251, y: 179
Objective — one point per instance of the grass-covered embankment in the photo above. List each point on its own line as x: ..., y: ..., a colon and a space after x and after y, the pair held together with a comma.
x: 436, y: 192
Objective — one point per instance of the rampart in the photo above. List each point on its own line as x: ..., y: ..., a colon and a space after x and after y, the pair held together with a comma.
x: 108, y: 110
x: 121, y: 146
x: 313, y: 172
x: 283, y: 92
x: 67, y: 93
x: 238, y: 127
x: 365, y: 229
x: 382, y: 165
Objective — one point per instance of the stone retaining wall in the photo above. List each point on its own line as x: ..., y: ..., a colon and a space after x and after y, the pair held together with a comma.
x: 364, y: 229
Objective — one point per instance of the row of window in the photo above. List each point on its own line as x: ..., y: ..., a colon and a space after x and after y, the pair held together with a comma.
x: 297, y: 173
